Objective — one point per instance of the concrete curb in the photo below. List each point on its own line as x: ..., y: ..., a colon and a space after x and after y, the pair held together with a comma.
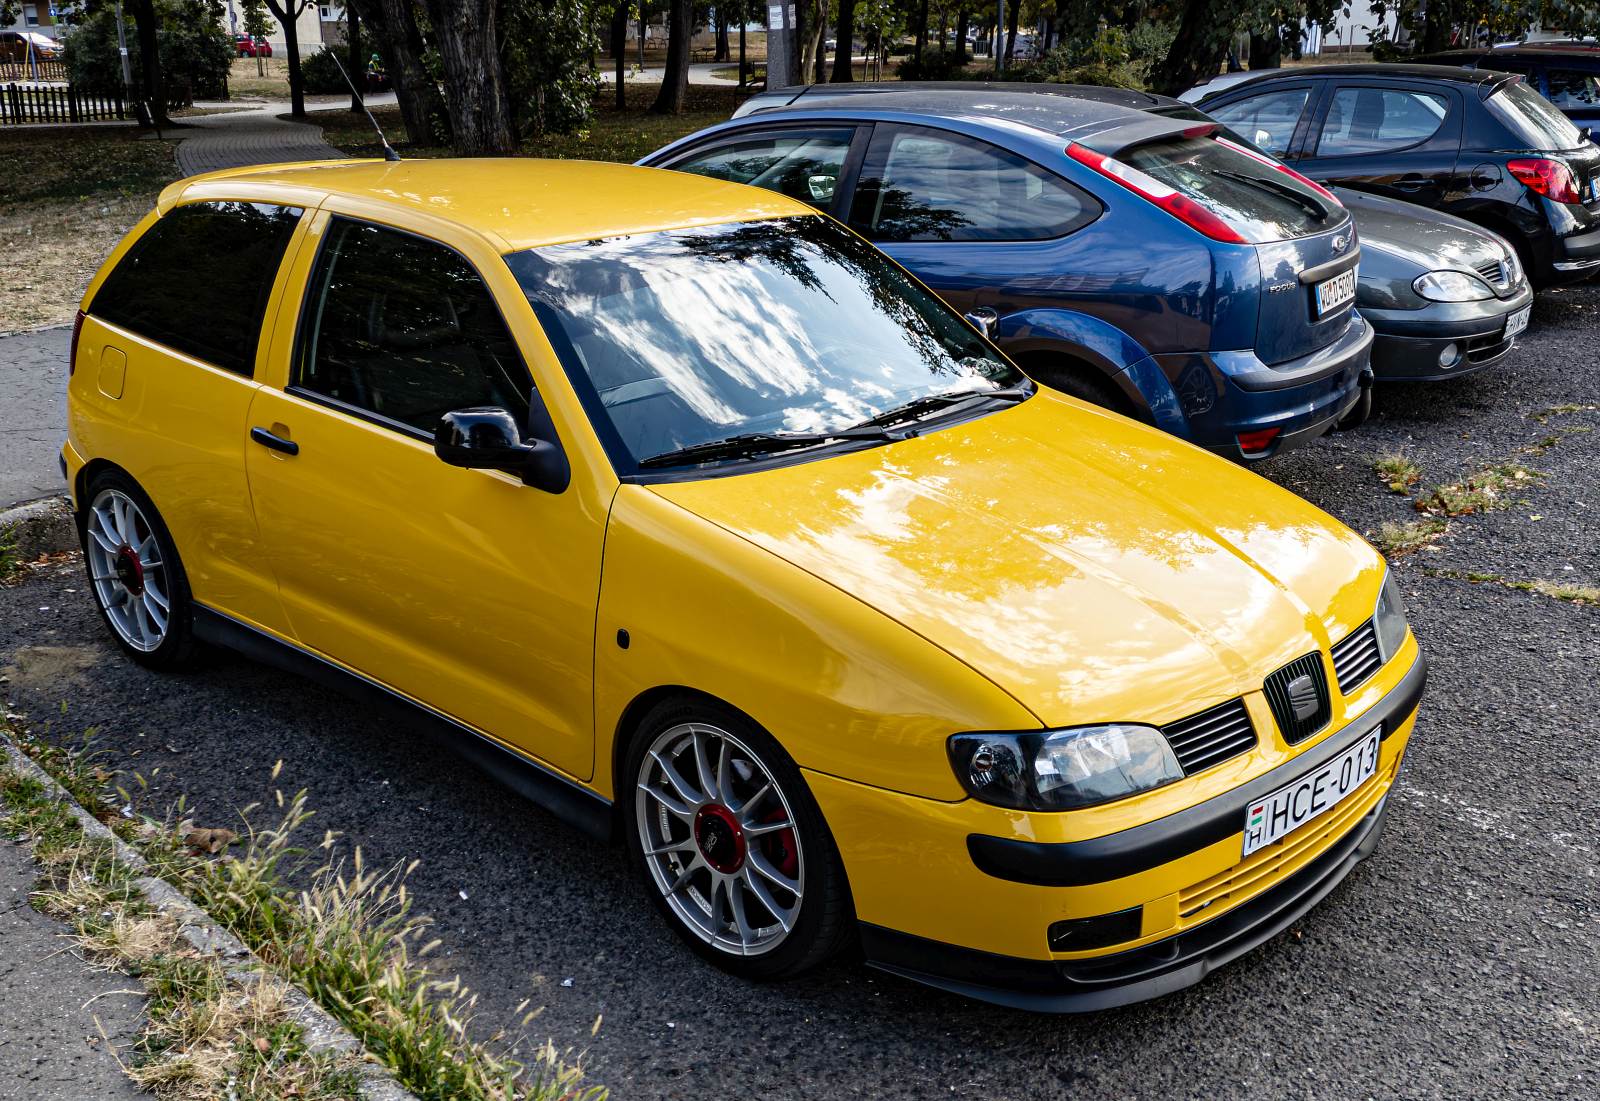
x: 44, y: 526
x: 321, y: 1031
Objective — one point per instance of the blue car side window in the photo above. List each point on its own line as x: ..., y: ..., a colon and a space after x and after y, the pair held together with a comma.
x: 924, y: 185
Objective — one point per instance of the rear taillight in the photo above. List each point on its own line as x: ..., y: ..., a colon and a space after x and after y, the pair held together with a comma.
x: 1552, y: 179
x: 72, y: 354
x: 1285, y: 169
x: 1253, y: 443
x: 1147, y: 187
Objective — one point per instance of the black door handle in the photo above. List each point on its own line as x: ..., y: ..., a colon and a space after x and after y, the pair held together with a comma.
x: 277, y: 443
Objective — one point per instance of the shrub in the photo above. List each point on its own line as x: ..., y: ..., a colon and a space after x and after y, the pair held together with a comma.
x: 195, y: 53
x: 320, y: 75
x: 935, y: 65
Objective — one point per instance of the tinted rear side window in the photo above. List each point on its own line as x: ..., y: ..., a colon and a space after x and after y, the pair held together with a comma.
x: 1257, y: 200
x: 198, y: 280
x: 1533, y: 120
x: 1573, y: 88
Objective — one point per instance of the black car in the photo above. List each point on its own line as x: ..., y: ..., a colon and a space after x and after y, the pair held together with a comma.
x: 1478, y: 144
x: 1567, y: 76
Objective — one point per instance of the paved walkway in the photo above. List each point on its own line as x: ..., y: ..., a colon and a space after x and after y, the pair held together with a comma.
x: 701, y: 72
x: 33, y: 419
x: 257, y: 136
x: 53, y: 1006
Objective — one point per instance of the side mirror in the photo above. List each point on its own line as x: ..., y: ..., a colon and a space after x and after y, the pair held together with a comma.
x: 984, y: 319
x: 488, y: 438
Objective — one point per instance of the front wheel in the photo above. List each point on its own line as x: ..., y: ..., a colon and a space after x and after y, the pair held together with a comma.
x: 733, y: 849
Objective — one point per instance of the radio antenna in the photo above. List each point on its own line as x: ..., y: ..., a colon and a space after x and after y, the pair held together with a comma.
x: 388, y: 150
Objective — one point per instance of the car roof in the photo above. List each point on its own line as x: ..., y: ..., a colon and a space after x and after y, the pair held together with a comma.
x: 1049, y: 108
x: 515, y: 202
x: 1400, y: 70
x: 1564, y: 53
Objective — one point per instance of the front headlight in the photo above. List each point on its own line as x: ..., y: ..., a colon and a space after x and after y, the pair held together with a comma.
x: 1389, y: 620
x: 1451, y: 286
x: 1063, y: 769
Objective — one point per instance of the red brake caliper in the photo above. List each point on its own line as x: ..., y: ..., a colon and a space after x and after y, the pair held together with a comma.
x: 780, y: 847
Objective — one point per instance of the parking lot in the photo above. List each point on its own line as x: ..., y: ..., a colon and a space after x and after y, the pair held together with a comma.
x: 1458, y: 962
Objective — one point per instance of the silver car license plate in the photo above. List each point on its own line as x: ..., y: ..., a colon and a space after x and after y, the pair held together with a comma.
x: 1518, y: 321
x: 1273, y: 817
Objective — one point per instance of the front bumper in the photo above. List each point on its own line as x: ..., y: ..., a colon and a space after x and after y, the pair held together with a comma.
x: 943, y: 898
x: 1408, y: 343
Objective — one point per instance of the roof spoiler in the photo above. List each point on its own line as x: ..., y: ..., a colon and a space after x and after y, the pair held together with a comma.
x: 1113, y: 141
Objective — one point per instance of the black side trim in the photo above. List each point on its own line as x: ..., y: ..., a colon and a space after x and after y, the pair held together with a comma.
x: 1122, y: 978
x: 577, y: 806
x: 1152, y: 844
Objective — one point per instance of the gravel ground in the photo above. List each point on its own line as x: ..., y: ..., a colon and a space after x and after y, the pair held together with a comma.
x: 1458, y: 962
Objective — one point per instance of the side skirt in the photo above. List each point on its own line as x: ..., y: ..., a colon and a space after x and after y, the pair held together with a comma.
x: 573, y: 804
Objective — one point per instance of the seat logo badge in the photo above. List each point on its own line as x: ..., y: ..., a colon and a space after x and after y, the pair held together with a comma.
x: 1340, y: 242
x: 1303, y: 696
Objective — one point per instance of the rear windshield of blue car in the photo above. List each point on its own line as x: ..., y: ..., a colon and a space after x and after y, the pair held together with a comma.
x: 1534, y: 121
x: 1260, y: 202
x: 686, y: 337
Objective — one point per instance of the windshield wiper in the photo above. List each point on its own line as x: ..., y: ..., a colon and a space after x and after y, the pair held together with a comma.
x: 919, y: 407
x: 1304, y: 202
x: 749, y: 444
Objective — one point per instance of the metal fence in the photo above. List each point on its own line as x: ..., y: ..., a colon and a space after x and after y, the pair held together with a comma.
x: 58, y: 103
x: 34, y: 69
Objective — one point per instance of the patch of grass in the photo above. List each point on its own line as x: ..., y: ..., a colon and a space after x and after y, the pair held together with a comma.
x: 1487, y: 490
x: 1395, y: 540
x: 1564, y: 410
x: 1586, y: 595
x: 10, y: 557
x: 612, y: 135
x: 1398, y: 472
x: 69, y: 165
x: 345, y: 934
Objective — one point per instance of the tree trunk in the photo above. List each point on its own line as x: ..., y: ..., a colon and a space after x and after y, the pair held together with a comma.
x: 675, y: 80
x: 1266, y: 49
x: 742, y: 22
x: 1049, y: 36
x: 619, y: 50
x: 155, y: 85
x: 400, y: 45
x: 721, y: 52
x: 287, y: 12
x: 962, y: 22
x: 1011, y: 28
x: 844, y: 33
x: 355, y: 69
x: 475, y: 89
x: 1196, y: 51
x: 821, y: 75
x: 922, y: 31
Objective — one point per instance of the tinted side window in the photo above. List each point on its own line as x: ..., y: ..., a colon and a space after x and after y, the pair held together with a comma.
x: 1573, y: 88
x: 1376, y: 120
x: 803, y: 164
x: 921, y: 185
x: 198, y: 280
x: 1268, y: 121
x: 404, y: 327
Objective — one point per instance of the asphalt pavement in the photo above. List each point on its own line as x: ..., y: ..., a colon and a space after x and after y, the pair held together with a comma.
x: 1460, y: 961
x: 33, y: 413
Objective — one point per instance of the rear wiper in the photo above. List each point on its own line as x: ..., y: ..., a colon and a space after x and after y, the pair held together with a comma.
x: 748, y: 444
x: 917, y: 407
x: 1304, y: 202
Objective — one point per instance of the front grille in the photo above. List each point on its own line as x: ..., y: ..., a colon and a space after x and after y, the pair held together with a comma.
x: 1288, y: 688
x: 1494, y: 273
x: 1211, y: 737
x: 1356, y: 657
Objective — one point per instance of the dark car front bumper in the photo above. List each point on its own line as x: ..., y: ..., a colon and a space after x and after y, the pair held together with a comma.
x: 1408, y: 344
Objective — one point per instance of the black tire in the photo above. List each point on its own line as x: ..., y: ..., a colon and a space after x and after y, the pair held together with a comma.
x: 177, y: 648
x: 1083, y: 382
x: 825, y: 922
x: 1359, y: 412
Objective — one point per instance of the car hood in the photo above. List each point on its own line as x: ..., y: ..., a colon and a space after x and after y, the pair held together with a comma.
x: 1424, y: 239
x: 1093, y: 568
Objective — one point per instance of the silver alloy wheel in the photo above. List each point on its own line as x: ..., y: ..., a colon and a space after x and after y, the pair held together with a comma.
x: 130, y: 580
x: 720, y: 839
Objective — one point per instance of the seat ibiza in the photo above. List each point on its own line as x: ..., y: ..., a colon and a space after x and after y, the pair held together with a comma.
x: 695, y: 518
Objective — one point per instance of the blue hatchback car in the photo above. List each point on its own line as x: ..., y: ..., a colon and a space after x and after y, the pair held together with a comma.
x: 1140, y: 260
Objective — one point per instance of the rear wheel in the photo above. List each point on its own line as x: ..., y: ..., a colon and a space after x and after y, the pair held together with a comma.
x: 1359, y: 412
x: 731, y: 846
x: 1081, y: 381
x: 134, y: 573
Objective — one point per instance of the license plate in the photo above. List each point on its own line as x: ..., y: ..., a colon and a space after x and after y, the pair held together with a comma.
x: 1594, y: 188
x: 1518, y: 321
x: 1336, y: 292
x: 1275, y: 816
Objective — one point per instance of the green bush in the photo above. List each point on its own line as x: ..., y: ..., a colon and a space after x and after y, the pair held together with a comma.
x: 195, y: 53
x: 935, y: 65
x: 320, y: 75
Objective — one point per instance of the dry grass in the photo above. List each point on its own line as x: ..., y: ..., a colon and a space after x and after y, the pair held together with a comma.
x: 1398, y: 472
x: 1490, y: 489
x: 1583, y: 595
x: 1395, y: 540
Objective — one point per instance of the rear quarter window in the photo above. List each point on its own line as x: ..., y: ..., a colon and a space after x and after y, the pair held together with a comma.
x: 1534, y: 122
x: 198, y: 280
x: 1261, y: 203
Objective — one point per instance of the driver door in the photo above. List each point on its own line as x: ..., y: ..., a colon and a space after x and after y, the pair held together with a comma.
x: 463, y: 589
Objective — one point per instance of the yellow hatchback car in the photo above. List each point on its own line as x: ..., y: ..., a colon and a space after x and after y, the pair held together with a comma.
x: 696, y: 519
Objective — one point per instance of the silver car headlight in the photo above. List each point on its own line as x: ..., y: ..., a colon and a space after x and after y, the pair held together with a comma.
x: 1451, y: 286
x: 1063, y: 769
x: 1389, y: 620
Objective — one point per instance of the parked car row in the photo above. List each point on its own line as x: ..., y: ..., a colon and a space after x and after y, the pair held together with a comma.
x: 708, y: 526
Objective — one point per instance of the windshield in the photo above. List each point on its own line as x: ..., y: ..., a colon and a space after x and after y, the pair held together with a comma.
x: 1259, y: 202
x: 1533, y: 120
x: 692, y: 336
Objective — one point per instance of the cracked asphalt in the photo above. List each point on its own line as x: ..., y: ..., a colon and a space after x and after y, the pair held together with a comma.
x: 1459, y: 962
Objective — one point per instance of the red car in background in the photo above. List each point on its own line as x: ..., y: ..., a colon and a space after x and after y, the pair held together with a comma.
x: 245, y: 46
